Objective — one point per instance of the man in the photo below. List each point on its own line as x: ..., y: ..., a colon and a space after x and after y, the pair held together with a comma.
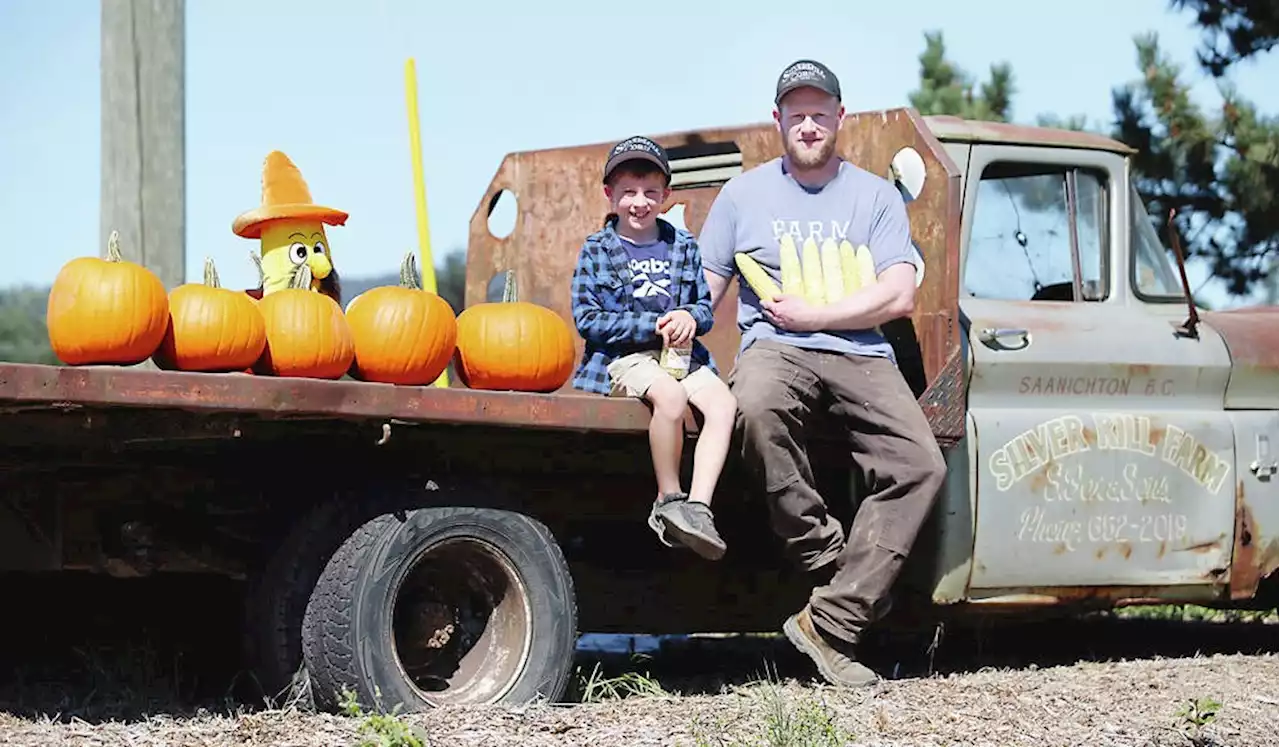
x: 798, y: 359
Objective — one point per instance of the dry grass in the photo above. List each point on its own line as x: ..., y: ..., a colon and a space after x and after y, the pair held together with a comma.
x: 1096, y: 704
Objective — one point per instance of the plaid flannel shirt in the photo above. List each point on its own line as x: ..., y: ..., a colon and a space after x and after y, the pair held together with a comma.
x: 610, y: 323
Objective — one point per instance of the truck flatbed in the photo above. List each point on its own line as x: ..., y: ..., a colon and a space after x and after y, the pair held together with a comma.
x: 42, y: 387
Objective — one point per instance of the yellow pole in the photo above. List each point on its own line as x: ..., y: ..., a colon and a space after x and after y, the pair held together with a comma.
x: 420, y: 190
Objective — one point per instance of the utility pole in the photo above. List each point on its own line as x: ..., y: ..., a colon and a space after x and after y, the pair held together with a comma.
x: 143, y: 134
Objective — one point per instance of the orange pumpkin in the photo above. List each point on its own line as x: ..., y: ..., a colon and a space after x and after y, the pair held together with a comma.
x: 403, y: 334
x: 513, y: 345
x: 106, y: 311
x: 307, y: 334
x: 211, y: 329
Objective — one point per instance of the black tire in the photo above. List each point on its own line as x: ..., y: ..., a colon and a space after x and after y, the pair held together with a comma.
x: 453, y: 570
x: 276, y: 598
x: 277, y: 593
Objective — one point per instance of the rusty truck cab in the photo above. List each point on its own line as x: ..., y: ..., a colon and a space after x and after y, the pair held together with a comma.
x: 1114, y: 451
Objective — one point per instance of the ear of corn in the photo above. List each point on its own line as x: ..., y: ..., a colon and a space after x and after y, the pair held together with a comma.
x: 789, y: 262
x: 866, y: 265
x: 849, y: 268
x: 756, y: 277
x: 811, y: 265
x: 832, y: 277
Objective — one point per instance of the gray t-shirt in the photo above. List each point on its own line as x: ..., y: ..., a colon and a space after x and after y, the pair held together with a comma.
x: 755, y: 209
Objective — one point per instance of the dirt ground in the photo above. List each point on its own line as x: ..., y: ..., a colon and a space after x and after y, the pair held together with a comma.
x: 1097, y: 704
x: 84, y: 673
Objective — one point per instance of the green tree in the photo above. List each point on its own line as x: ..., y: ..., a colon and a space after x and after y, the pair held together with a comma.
x: 947, y: 89
x: 451, y: 279
x: 1234, y: 30
x: 1216, y: 170
x: 23, y: 335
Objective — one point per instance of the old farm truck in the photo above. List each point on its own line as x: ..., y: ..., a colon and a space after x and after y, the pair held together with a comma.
x: 1107, y: 442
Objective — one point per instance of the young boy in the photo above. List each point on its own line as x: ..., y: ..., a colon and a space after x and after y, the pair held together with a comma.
x: 638, y: 290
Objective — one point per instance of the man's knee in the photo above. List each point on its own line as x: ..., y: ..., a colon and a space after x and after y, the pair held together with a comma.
x: 931, y: 467
x: 923, y: 474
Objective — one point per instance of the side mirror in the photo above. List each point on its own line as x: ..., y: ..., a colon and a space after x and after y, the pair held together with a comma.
x: 1188, y: 327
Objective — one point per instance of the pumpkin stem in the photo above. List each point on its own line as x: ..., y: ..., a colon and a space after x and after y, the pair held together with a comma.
x: 302, y: 277
x: 409, y: 275
x: 509, y: 291
x: 113, y: 247
x: 211, y: 274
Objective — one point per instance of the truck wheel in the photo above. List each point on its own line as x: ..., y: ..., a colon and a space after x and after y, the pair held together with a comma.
x: 442, y: 606
x: 276, y: 598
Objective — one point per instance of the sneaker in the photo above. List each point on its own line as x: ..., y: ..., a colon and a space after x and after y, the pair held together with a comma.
x: 834, y: 657
x: 690, y: 523
x: 655, y: 523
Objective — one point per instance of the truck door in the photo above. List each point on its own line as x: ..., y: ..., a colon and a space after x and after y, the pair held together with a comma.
x: 1102, y: 451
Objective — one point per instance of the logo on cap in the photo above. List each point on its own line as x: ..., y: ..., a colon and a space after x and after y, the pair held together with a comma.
x: 807, y: 73
x: 640, y: 147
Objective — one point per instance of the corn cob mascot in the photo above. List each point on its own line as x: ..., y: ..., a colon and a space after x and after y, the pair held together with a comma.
x: 290, y: 228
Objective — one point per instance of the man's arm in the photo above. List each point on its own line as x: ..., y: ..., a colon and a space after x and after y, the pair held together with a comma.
x: 716, y: 243
x: 594, y: 323
x: 717, y: 284
x: 891, y: 297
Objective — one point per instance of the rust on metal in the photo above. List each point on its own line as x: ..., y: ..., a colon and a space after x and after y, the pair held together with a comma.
x: 1107, y: 595
x: 944, y: 404
x: 559, y: 201
x: 25, y: 385
x: 948, y: 127
x: 1249, y: 562
x: 1250, y: 334
x: 1250, y: 337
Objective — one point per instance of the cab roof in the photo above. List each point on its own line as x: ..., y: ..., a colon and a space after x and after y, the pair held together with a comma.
x: 951, y: 128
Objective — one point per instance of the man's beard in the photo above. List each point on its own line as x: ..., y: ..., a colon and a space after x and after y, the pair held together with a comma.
x: 811, y: 158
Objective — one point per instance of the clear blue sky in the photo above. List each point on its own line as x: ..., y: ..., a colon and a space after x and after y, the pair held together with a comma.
x: 494, y: 77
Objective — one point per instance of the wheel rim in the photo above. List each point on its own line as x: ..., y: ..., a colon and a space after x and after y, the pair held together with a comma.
x: 461, y: 623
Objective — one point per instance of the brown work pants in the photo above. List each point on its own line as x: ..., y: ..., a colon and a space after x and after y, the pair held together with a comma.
x: 779, y: 387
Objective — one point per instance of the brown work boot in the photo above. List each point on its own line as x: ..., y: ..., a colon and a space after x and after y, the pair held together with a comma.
x: 834, y: 657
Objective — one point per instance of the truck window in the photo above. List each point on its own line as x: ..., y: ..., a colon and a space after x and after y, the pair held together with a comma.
x: 1153, y: 272
x: 1020, y: 240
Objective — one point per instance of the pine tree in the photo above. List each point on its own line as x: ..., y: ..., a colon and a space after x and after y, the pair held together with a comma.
x: 946, y: 89
x: 1217, y: 170
x: 1234, y: 30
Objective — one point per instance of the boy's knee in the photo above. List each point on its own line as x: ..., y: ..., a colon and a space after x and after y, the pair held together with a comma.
x: 667, y: 397
x: 722, y: 407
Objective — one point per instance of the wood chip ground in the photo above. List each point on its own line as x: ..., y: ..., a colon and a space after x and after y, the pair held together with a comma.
x: 1098, y: 704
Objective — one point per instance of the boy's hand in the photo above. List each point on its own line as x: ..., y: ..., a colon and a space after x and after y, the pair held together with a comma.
x: 677, y: 327
x: 793, y: 313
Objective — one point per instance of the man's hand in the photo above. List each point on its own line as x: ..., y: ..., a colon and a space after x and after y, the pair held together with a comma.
x: 793, y: 313
x: 677, y: 327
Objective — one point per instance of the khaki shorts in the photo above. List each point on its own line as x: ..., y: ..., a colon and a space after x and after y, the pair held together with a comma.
x: 631, y: 375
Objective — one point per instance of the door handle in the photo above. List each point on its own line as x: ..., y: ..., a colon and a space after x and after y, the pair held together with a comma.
x: 991, y: 336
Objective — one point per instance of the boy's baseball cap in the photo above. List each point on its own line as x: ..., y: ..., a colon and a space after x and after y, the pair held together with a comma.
x: 807, y: 73
x: 637, y: 147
